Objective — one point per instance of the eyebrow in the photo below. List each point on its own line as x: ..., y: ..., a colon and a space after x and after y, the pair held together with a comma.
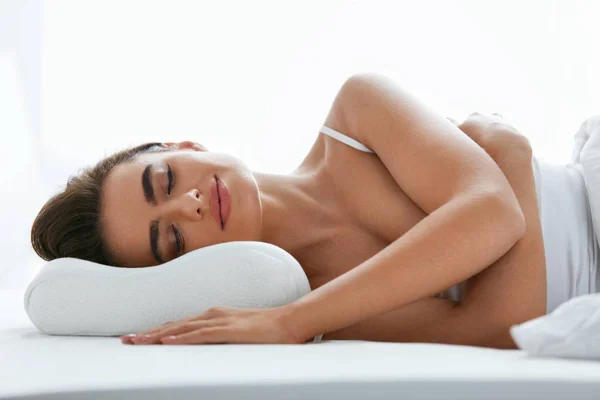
x: 151, y: 199
x: 147, y: 185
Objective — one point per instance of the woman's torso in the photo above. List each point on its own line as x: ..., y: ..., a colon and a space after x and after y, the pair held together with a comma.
x: 373, y: 210
x: 376, y: 211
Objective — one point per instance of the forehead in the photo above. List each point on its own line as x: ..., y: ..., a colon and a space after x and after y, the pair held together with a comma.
x: 126, y: 215
x: 124, y: 182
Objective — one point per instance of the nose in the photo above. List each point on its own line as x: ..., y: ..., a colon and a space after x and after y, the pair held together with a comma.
x: 189, y: 205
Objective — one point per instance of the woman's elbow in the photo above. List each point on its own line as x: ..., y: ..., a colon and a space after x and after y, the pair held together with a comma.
x: 509, y: 215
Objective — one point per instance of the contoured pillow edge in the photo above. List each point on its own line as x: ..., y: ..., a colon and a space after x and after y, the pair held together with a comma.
x: 76, y: 297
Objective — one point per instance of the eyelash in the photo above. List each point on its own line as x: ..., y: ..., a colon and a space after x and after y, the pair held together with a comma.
x: 170, y: 176
x: 178, y: 238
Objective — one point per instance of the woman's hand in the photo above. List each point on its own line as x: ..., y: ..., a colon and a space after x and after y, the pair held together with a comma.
x: 221, y: 325
x: 494, y: 135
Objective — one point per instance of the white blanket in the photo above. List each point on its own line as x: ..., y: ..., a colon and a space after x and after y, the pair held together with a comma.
x: 586, y: 155
x: 573, y: 329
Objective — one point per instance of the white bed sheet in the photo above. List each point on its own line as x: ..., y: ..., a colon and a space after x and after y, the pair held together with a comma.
x: 38, y: 366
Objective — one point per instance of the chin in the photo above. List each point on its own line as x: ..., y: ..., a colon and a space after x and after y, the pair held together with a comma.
x: 245, y: 218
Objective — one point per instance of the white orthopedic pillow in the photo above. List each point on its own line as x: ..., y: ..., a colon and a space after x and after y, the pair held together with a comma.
x: 572, y: 330
x: 70, y: 296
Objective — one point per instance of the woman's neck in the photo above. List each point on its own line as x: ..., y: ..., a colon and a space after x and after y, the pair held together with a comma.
x: 297, y: 211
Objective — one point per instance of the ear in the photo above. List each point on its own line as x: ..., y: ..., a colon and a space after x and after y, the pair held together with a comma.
x: 187, y: 144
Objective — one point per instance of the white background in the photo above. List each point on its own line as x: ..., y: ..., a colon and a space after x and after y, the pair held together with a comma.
x: 81, y: 79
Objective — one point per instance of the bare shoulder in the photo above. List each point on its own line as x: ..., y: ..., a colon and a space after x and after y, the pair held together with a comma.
x: 344, y: 104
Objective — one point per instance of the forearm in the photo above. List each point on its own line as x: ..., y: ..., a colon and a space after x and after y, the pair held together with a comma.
x: 513, y: 289
x: 453, y: 243
x: 510, y: 291
x: 429, y: 320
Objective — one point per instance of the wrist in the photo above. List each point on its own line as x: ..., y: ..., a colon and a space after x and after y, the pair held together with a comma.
x: 289, y: 317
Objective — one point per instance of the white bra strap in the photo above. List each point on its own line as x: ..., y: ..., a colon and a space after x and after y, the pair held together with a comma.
x: 343, y: 138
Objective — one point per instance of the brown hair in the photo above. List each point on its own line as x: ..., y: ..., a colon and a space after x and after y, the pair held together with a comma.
x: 69, y: 224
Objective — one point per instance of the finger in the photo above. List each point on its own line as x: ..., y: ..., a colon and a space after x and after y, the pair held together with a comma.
x: 484, y: 116
x: 148, y: 337
x: 161, y: 327
x: 211, y: 313
x: 127, y: 339
x: 453, y: 121
x: 211, y: 335
x: 154, y: 338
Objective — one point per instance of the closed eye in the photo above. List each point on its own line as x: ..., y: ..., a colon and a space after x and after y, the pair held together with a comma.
x: 170, y: 176
x: 178, y: 240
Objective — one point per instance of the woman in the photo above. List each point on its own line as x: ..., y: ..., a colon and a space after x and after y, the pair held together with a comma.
x: 392, y: 205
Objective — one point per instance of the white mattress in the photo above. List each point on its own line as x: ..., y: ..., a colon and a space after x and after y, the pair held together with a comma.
x: 37, y: 366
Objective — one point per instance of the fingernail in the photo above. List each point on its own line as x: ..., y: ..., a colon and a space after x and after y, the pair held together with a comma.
x: 169, y: 338
x: 141, y: 339
x: 126, y: 338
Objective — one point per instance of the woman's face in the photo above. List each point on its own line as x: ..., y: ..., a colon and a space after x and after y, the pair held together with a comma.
x: 151, y: 216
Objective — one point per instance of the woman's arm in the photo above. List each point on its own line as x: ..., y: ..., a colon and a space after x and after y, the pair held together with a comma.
x: 510, y: 291
x: 514, y: 287
x: 474, y: 216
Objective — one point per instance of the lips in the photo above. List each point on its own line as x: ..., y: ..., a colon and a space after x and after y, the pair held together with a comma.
x: 215, y: 208
x: 224, y: 201
x: 220, y: 203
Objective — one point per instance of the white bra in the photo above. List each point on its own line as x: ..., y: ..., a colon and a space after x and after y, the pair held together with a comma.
x: 343, y: 138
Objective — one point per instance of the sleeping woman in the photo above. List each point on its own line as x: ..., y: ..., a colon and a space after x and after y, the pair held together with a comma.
x: 409, y: 226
